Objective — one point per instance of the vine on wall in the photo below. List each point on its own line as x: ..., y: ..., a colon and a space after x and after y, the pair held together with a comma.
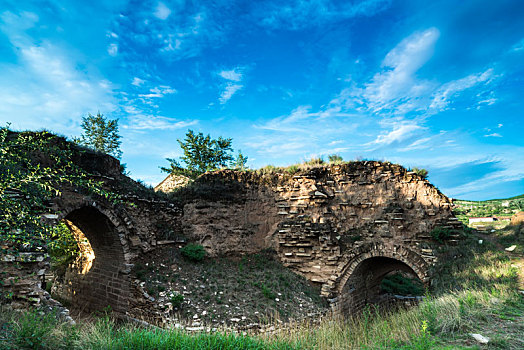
x: 33, y: 168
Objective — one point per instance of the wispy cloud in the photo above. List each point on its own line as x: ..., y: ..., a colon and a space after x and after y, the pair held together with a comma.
x: 444, y: 94
x: 137, y: 81
x: 518, y: 47
x: 509, y: 167
x: 396, y: 87
x: 158, y: 92
x: 229, y: 91
x: 112, y: 49
x: 299, y: 14
x: 495, y: 134
x: 151, y: 122
x: 232, y: 75
x: 233, y: 78
x: 401, y: 132
x: 47, y: 87
x: 162, y: 11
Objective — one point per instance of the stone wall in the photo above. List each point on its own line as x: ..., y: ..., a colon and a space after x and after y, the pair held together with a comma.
x: 326, y: 221
x: 343, y: 227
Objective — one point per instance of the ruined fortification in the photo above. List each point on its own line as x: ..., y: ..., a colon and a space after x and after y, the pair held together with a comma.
x: 343, y: 227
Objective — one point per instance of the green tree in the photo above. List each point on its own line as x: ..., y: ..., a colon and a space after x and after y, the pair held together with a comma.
x: 202, y: 154
x: 240, y: 161
x: 100, y: 134
x: 421, y: 172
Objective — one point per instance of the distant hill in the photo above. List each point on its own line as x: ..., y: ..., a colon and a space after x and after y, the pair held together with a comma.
x: 519, y: 197
x: 501, y: 207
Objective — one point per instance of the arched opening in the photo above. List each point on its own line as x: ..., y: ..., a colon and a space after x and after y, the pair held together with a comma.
x: 97, y: 277
x: 366, y: 284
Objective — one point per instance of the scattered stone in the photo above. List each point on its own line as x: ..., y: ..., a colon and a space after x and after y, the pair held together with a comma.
x: 510, y: 249
x: 480, y: 338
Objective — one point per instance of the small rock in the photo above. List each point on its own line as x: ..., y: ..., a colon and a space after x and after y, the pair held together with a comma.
x: 235, y: 320
x: 510, y: 249
x: 481, y: 339
x: 195, y: 316
x: 480, y: 241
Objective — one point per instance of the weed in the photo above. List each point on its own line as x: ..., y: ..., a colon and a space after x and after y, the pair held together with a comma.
x: 176, y: 300
x: 193, y: 252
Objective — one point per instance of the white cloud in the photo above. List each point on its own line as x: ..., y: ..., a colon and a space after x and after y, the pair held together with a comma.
x: 151, y: 122
x: 417, y: 144
x: 229, y: 91
x: 495, y: 134
x: 396, y: 87
x: 233, y: 75
x: 510, y: 167
x: 401, y: 132
x: 158, y: 92
x: 162, y: 11
x: 444, y: 94
x: 45, y: 88
x: 112, y: 49
x: 137, y: 81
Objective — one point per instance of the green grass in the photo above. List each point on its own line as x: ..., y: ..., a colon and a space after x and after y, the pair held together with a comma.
x: 476, y: 290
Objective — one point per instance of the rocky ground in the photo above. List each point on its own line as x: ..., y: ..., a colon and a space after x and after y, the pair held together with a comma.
x: 244, y: 292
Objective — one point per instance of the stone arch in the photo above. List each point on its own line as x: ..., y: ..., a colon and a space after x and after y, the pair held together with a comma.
x: 107, y: 281
x: 359, y: 282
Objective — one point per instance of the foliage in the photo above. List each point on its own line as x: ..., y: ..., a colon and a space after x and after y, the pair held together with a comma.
x: 27, y: 186
x: 203, y: 154
x: 176, y: 300
x: 480, y: 295
x: 240, y: 162
x: 101, y: 134
x: 193, y: 252
x: 399, y: 284
x: 335, y: 158
x: 420, y: 172
x: 62, y: 247
x: 315, y: 161
x: 441, y: 234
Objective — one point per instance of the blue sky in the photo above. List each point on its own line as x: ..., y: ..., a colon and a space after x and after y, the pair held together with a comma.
x: 433, y: 84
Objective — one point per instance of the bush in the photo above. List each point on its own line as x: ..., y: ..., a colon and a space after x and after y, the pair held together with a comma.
x: 420, y: 172
x: 441, y: 234
x: 177, y: 300
x: 315, y: 161
x: 193, y: 252
x: 399, y: 284
x: 335, y: 158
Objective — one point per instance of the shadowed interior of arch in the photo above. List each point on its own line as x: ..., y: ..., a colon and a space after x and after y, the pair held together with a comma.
x: 365, y: 285
x: 95, y: 279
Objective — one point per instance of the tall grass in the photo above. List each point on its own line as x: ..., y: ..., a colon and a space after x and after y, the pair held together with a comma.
x: 476, y: 292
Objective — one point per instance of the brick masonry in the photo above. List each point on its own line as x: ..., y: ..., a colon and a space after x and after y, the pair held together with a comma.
x: 343, y: 227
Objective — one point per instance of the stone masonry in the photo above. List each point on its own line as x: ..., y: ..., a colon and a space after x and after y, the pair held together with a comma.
x: 343, y: 227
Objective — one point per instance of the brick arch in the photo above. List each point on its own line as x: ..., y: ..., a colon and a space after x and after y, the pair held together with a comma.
x: 359, y: 281
x: 107, y: 283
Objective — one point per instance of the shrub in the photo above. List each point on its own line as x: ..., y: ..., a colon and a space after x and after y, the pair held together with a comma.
x: 399, y: 284
x: 315, y: 161
x: 420, y: 172
x: 335, y: 158
x: 292, y: 169
x: 177, y: 300
x: 441, y: 234
x: 193, y: 252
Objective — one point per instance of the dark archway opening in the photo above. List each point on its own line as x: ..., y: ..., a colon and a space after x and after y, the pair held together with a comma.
x: 368, y: 284
x: 97, y: 277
